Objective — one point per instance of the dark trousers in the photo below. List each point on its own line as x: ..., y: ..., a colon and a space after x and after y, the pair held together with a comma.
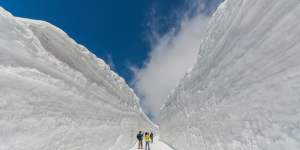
x: 140, y: 146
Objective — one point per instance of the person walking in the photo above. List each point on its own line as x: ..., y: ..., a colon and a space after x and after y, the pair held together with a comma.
x: 147, y: 141
x: 151, y: 137
x: 139, y: 136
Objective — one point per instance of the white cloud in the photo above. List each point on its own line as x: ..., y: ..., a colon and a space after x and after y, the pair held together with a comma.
x: 172, y: 54
x: 169, y: 60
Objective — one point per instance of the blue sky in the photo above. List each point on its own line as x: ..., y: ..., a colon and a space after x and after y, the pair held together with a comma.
x: 151, y: 43
x: 112, y: 29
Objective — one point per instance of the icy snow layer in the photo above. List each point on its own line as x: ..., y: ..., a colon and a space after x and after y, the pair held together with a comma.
x: 244, y: 91
x: 56, y: 95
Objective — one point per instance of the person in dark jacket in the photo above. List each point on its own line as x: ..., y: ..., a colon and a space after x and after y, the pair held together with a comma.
x: 151, y: 137
x: 139, y: 136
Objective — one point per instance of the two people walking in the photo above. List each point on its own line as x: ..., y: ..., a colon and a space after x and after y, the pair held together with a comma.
x: 148, y: 139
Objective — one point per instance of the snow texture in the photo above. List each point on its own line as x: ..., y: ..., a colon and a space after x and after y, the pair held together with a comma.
x: 244, y: 91
x: 56, y: 95
x: 156, y: 145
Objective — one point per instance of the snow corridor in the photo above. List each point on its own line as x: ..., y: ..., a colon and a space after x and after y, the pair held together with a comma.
x: 157, y: 145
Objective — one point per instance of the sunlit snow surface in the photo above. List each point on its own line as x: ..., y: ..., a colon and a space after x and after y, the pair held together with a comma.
x: 56, y: 95
x: 244, y: 91
x: 156, y: 145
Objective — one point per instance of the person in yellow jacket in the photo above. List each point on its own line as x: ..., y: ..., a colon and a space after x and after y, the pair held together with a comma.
x: 147, y: 141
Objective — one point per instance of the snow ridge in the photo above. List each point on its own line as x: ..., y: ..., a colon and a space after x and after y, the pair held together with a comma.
x: 243, y: 92
x: 55, y: 94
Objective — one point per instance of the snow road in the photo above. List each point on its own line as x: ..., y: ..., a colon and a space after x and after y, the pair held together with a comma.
x: 157, y: 145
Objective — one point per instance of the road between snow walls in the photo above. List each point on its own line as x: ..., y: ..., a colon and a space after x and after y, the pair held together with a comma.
x: 242, y: 94
x: 156, y: 145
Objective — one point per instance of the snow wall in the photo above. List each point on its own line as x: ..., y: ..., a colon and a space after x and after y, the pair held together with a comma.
x: 56, y: 95
x: 244, y: 91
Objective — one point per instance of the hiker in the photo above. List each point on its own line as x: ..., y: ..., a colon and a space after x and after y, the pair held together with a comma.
x: 139, y: 136
x: 147, y: 141
x: 151, y: 137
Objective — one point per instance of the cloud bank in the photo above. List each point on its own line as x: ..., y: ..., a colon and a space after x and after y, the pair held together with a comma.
x: 171, y: 57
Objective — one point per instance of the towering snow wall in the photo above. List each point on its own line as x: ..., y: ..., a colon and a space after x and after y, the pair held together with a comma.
x: 56, y: 95
x: 244, y: 91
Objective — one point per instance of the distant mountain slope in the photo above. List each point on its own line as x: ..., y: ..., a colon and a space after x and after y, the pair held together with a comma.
x: 244, y: 91
x: 56, y: 95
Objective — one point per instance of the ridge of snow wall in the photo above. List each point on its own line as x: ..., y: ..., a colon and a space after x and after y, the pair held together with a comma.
x: 55, y: 94
x: 244, y: 91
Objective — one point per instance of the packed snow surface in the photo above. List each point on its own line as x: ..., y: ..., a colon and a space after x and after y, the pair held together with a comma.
x: 156, y: 145
x: 56, y: 95
x: 244, y: 91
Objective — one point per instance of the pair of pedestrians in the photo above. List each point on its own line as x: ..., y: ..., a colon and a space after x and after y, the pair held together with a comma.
x: 148, y: 139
